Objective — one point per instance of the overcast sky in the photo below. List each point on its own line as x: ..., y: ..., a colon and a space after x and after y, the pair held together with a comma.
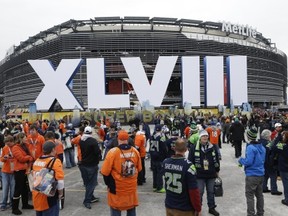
x: 21, y: 19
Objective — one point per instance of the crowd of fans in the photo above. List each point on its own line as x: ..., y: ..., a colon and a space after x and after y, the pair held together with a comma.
x: 203, y: 136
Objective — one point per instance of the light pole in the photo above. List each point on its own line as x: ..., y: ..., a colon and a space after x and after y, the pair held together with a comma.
x: 80, y: 48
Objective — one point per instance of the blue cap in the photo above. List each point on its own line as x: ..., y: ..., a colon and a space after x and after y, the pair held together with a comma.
x: 158, y: 127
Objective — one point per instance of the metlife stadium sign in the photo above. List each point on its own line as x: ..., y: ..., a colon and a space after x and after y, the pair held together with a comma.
x: 239, y: 29
x: 57, y: 81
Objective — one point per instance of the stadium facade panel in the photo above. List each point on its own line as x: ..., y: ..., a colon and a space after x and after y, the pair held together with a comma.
x: 147, y: 38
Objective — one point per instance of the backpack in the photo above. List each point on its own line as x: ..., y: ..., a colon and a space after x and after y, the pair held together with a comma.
x: 67, y: 143
x: 128, y: 168
x: 44, y: 180
x: 2, y: 144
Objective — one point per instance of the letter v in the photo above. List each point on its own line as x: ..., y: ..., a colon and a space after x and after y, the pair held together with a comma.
x: 155, y: 92
x: 56, y: 83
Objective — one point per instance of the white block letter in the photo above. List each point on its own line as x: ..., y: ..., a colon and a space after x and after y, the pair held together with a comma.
x: 155, y: 92
x: 96, y: 88
x: 56, y: 83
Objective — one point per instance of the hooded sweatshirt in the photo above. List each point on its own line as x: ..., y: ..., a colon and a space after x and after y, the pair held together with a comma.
x: 90, y: 151
x: 254, y: 159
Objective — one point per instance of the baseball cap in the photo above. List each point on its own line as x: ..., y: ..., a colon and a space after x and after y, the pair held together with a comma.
x: 88, y: 130
x: 123, y: 135
x: 158, y: 127
x: 278, y: 125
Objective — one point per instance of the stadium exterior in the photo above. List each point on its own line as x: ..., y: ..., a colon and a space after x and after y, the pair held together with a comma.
x: 147, y: 38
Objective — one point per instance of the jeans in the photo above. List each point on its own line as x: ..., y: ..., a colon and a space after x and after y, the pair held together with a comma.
x: 8, y: 184
x: 254, y: 187
x: 157, y: 175
x: 130, y: 212
x: 89, y: 175
x: 209, y: 183
x: 272, y: 174
x: 284, y: 177
x: 69, y: 157
x: 52, y: 211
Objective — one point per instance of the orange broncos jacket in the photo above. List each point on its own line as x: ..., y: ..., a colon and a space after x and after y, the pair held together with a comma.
x: 41, y: 201
x: 8, y: 163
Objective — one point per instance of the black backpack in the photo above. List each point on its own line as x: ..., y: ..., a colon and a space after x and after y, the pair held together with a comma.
x: 2, y: 144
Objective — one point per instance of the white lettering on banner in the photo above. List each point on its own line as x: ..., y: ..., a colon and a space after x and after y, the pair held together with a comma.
x: 239, y: 29
x: 56, y: 82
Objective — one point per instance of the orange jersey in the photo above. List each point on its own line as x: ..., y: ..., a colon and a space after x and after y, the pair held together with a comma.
x: 214, y: 134
x: 26, y: 128
x: 187, y: 132
x: 126, y: 187
x: 76, y: 141
x: 101, y: 134
x: 40, y: 200
x: 139, y: 141
x: 8, y: 163
x: 22, y: 159
x: 44, y: 126
x: 59, y: 147
x: 35, y: 145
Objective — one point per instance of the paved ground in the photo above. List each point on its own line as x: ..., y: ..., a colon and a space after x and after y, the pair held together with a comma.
x: 233, y: 203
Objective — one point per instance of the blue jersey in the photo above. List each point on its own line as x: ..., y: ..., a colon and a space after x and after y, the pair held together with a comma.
x: 179, y: 174
x: 158, y: 149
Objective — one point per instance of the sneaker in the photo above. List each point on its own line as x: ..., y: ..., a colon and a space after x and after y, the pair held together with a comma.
x: 154, y: 189
x: 284, y: 202
x: 28, y: 206
x: 2, y: 208
x: 213, y: 212
x: 266, y: 191
x: 95, y: 199
x: 87, y: 205
x: 278, y: 193
x: 161, y: 190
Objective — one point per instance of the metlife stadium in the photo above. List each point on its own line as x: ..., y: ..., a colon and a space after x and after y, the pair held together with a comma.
x: 148, y: 38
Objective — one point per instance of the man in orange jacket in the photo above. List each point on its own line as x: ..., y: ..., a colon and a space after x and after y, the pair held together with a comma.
x: 35, y: 142
x: 43, y: 204
x: 120, y: 170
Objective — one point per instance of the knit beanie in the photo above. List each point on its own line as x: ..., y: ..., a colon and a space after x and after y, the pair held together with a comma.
x: 252, y: 134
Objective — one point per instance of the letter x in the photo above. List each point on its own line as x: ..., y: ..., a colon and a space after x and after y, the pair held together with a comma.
x: 56, y: 83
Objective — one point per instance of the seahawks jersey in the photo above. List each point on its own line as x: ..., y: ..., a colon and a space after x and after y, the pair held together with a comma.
x: 179, y: 174
x: 157, y: 150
